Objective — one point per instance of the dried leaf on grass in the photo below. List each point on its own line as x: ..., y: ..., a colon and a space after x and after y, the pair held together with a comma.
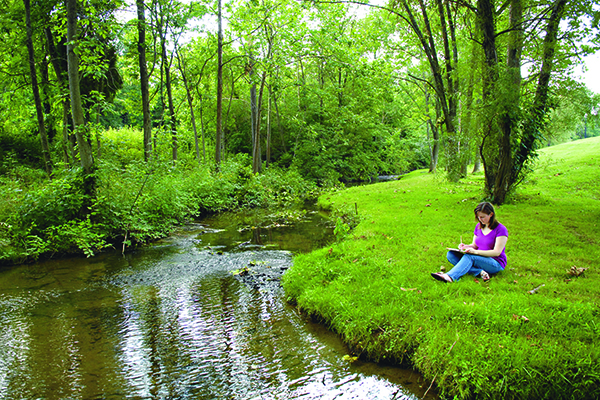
x: 575, y: 271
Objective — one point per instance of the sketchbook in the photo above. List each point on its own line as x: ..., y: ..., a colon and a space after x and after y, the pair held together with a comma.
x: 454, y: 249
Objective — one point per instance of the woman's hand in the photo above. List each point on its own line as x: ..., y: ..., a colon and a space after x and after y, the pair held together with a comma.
x: 464, y: 247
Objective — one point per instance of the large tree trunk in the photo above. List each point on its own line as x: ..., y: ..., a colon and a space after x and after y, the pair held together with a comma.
x: 219, y: 87
x: 489, y: 155
x: 36, y: 91
x: 146, y: 124
x: 510, y: 103
x: 85, y: 150
x: 258, y: 122
x: 504, y: 165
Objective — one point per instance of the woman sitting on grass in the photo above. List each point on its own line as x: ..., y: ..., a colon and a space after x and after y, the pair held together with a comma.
x: 485, y: 255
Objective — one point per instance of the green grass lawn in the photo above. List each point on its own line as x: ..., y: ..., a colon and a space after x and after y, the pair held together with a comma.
x: 492, y: 340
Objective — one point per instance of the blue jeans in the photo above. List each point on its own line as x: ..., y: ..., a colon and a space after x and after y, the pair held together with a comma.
x: 471, y: 264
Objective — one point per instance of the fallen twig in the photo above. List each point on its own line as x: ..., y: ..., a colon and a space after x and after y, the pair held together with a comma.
x: 532, y: 291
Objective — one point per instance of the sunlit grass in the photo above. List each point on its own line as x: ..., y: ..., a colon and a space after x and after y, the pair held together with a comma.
x: 492, y: 340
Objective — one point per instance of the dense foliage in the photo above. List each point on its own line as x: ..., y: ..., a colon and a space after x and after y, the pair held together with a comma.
x: 135, y: 202
x: 343, y: 93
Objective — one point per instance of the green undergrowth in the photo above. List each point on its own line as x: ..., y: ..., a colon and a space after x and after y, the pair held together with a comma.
x: 531, y: 332
x: 135, y: 202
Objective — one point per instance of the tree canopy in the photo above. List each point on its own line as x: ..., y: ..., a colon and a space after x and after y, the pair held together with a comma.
x: 338, y: 90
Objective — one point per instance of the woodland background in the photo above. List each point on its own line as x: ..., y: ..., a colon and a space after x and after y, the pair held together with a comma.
x: 118, y: 120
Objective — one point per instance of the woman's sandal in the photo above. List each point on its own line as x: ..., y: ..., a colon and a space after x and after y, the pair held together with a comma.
x: 440, y: 276
x: 485, y: 276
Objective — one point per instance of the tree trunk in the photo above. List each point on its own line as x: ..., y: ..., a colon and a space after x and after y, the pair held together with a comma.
x: 477, y: 162
x: 445, y: 95
x: 454, y: 156
x: 321, y: 68
x: 487, y: 28
x: 172, y: 118
x: 219, y: 122
x: 468, y: 122
x: 340, y: 84
x: 302, y: 107
x: 167, y: 70
x: 47, y: 107
x: 254, y: 117
x: 181, y: 65
x: 535, y: 121
x: 259, y: 119
x: 85, y: 150
x: 36, y: 91
x: 229, y: 103
x: 511, y: 104
x: 268, y: 144
x: 202, y: 129
x: 146, y: 124
x: 434, y: 146
x: 67, y: 139
x: 280, y: 127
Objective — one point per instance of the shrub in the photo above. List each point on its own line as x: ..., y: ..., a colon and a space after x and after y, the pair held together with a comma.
x: 121, y: 146
x: 276, y: 186
x: 19, y: 149
x: 52, y: 203
x: 135, y: 201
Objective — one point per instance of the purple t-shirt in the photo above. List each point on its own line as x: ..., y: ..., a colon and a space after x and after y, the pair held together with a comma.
x: 487, y: 242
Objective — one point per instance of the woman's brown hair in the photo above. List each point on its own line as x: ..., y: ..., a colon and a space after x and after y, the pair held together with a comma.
x: 487, y: 208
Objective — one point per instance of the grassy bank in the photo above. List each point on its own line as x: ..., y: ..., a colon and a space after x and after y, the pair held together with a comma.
x: 492, y: 340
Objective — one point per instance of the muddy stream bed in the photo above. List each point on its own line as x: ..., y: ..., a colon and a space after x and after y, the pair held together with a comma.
x: 171, y: 321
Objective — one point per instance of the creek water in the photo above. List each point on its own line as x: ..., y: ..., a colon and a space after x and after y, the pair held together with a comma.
x: 171, y: 321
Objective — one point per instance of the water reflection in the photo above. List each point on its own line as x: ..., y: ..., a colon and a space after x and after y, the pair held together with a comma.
x: 172, y: 322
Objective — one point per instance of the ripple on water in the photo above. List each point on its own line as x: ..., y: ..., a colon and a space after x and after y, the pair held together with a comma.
x: 174, y: 322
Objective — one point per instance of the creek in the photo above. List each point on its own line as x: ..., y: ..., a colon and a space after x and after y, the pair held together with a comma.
x: 177, y: 320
